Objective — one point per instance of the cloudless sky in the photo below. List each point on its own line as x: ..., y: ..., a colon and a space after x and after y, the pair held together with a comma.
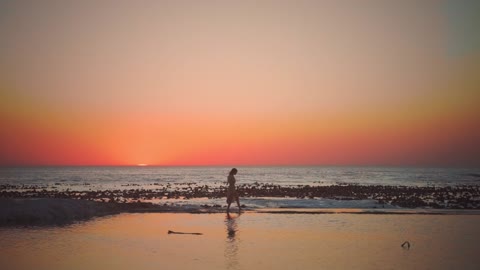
x: 240, y: 82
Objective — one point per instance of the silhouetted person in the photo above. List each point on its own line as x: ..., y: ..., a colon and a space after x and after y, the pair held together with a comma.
x: 231, y: 190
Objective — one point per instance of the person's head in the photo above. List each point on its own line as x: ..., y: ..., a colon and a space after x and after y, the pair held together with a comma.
x: 233, y: 171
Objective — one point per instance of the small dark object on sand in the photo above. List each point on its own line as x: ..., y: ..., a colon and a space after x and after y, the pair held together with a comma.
x: 172, y: 232
x: 406, y: 245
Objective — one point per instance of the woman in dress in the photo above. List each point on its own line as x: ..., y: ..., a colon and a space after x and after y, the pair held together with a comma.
x: 231, y: 191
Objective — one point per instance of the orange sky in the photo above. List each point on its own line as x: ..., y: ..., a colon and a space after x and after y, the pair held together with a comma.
x: 247, y: 83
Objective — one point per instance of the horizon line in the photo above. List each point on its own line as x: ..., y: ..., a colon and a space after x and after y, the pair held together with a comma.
x: 471, y: 166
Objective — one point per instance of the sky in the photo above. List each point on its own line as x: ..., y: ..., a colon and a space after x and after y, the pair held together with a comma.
x: 240, y: 83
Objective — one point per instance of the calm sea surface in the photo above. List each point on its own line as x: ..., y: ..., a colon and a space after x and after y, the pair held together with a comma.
x: 96, y: 178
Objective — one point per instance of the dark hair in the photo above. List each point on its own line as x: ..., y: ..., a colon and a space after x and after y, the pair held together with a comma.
x: 233, y: 171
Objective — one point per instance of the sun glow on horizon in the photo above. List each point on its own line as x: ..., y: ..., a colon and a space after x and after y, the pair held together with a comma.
x: 238, y: 82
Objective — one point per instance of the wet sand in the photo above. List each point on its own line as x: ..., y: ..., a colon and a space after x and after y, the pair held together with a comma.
x: 249, y: 241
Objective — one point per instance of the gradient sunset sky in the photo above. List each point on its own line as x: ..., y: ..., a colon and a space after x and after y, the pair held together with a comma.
x: 240, y: 83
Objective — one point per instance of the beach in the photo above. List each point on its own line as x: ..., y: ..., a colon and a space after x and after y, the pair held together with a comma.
x: 96, y: 218
x: 249, y: 241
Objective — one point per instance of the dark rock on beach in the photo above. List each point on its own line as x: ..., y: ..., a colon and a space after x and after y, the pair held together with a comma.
x: 55, y: 211
x: 50, y: 211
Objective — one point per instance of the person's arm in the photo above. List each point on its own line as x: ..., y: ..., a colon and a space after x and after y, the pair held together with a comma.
x: 230, y: 180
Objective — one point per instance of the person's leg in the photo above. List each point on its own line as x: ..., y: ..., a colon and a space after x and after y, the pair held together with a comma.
x: 238, y: 204
x: 228, y: 207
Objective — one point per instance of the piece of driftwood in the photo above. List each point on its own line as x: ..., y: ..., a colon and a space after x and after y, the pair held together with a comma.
x: 172, y: 232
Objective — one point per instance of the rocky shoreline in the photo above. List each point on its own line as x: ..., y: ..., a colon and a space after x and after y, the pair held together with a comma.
x: 454, y: 197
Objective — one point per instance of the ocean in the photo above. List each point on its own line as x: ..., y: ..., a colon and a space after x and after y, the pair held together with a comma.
x: 152, y: 178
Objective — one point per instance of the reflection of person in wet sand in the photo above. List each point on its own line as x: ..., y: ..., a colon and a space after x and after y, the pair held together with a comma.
x: 231, y: 248
x: 231, y: 227
x: 231, y: 190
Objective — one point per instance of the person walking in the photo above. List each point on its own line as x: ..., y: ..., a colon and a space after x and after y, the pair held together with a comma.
x: 231, y: 190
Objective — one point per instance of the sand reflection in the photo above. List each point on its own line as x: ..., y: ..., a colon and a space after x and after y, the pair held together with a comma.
x: 231, y: 243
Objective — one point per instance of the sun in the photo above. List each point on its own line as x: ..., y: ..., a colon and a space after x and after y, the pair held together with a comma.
x: 142, y: 164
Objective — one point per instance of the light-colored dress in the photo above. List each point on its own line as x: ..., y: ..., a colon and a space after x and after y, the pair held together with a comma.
x: 231, y: 192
